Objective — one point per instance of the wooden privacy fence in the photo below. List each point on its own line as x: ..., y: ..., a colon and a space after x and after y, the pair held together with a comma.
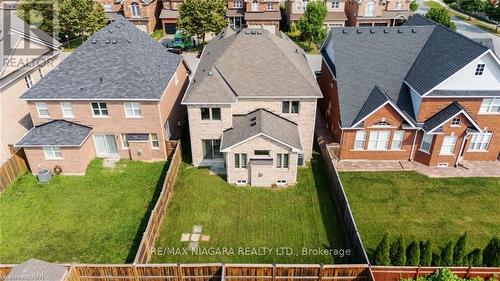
x: 158, y: 213
x: 13, y: 168
x: 338, y: 193
x: 395, y: 273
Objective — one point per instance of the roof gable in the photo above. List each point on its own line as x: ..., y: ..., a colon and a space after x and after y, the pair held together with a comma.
x: 432, y: 124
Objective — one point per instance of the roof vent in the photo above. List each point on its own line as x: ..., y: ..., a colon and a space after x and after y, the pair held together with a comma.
x: 247, y: 32
x: 359, y: 31
x: 259, y: 31
x: 253, y: 118
x: 210, y: 72
x: 253, y: 124
x: 110, y: 30
x: 253, y: 32
x: 344, y: 31
x: 106, y: 42
x: 114, y: 41
x: 413, y: 30
x: 372, y: 31
x: 386, y: 31
x: 94, y: 41
x: 400, y: 31
x: 100, y: 79
x: 128, y: 40
x: 122, y: 22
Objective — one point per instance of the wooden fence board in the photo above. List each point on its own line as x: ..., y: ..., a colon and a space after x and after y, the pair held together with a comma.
x: 395, y: 273
x: 12, y: 169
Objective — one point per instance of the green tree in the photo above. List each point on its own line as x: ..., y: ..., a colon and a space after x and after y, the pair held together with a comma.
x: 413, y: 253
x: 443, y: 274
x: 40, y: 13
x: 493, y: 12
x: 491, y: 254
x: 397, y: 253
x: 449, y: 2
x: 474, y: 258
x: 447, y: 255
x: 460, y: 250
x: 294, y: 33
x: 441, y: 16
x: 198, y: 17
x: 413, y: 6
x: 381, y: 255
x: 425, y: 253
x: 436, y: 259
x: 471, y: 6
x: 312, y: 23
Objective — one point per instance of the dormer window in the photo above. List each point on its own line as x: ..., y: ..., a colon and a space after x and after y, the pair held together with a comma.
x: 456, y: 122
x: 479, y: 69
x: 134, y: 8
x: 238, y: 4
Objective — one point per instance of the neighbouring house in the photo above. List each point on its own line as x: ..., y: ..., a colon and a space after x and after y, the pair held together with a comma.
x: 169, y: 15
x: 422, y: 93
x: 142, y: 13
x: 255, y: 14
x: 28, y: 54
x: 34, y: 269
x: 251, y: 108
x: 9, y: 4
x: 117, y: 96
x: 377, y: 12
x: 335, y: 16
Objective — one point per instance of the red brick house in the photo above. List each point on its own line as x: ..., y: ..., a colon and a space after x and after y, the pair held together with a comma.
x: 422, y: 93
x: 142, y: 13
x: 263, y: 14
x: 169, y: 15
x: 98, y: 103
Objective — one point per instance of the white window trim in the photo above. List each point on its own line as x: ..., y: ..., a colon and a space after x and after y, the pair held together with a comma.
x: 50, y: 148
x: 479, y: 71
x: 211, y: 115
x: 452, y: 153
x: 490, y: 107
x: 482, y: 136
x: 133, y: 108
x: 132, y: 10
x: 123, y: 140
x: 281, y: 182
x: 46, y: 108
x: 151, y: 141
x: 281, y: 156
x: 402, y: 132
x: 378, y: 140
x: 100, y: 110
x: 270, y: 5
x: 240, y: 157
x: 430, y: 144
x: 29, y: 81
x: 456, y: 125
x: 290, y: 107
x: 240, y: 4
x: 71, y: 108
x: 356, y: 140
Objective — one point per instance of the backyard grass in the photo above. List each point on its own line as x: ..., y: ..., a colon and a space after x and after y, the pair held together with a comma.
x: 96, y: 218
x: 240, y: 219
x: 423, y: 208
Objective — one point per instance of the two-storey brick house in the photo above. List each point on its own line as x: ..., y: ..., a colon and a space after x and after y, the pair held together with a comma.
x: 118, y: 95
x: 263, y: 14
x: 437, y: 102
x: 169, y: 15
x: 335, y: 16
x: 377, y: 12
x: 28, y: 54
x: 250, y: 116
x: 142, y: 13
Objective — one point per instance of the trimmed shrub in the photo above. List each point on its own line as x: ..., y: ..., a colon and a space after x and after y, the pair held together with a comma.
x: 474, y: 258
x: 436, y: 259
x: 447, y: 254
x: 443, y: 274
x: 413, y: 254
x: 425, y: 253
x: 381, y: 255
x: 398, y: 254
x: 459, y: 250
x: 491, y: 254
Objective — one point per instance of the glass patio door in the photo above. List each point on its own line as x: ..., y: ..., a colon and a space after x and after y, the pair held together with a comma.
x: 105, y: 145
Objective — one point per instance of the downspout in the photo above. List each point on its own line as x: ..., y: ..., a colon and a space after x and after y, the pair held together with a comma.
x: 413, y: 145
x: 461, y: 149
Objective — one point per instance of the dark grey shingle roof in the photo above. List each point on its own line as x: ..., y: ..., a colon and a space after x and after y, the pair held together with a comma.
x: 376, y: 98
x: 416, y: 20
x: 57, y: 132
x: 442, y: 116
x: 458, y: 93
x: 118, y: 62
x: 34, y: 269
x: 251, y: 65
x: 262, y: 121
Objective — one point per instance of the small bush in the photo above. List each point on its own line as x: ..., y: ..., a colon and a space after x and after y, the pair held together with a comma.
x: 474, y: 258
x: 425, y: 253
x: 381, y: 256
x: 447, y: 255
x: 413, y: 254
x: 459, y: 250
x: 436, y: 259
x: 398, y: 254
x: 491, y: 254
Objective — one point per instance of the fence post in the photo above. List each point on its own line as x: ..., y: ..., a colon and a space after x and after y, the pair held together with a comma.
x: 274, y: 272
x: 136, y: 274
x: 417, y: 273
x: 179, y: 271
x: 320, y: 273
x: 223, y: 272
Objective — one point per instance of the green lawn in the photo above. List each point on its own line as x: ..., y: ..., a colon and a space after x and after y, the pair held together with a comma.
x: 246, y: 218
x: 96, y: 218
x: 423, y: 208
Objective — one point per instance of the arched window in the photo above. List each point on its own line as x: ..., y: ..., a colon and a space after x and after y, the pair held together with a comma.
x: 134, y: 8
x: 370, y: 9
x: 255, y: 5
x: 382, y: 124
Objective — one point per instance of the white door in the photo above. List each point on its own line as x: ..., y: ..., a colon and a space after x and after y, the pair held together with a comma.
x: 105, y: 145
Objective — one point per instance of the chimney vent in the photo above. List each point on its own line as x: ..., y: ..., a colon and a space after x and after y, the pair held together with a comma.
x: 106, y: 42
x: 372, y: 31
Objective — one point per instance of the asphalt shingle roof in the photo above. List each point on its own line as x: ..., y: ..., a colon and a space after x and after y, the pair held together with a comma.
x: 261, y: 121
x: 251, y: 63
x: 442, y: 116
x: 118, y: 62
x: 376, y: 98
x: 34, y: 269
x: 459, y: 93
x: 57, y: 132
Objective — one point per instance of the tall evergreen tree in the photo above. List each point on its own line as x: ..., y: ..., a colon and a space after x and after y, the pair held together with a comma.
x: 447, y: 255
x: 491, y: 254
x: 460, y: 250
x: 425, y: 253
x: 413, y: 253
x: 312, y: 24
x: 397, y: 253
x: 474, y: 258
x: 381, y: 255
x: 436, y: 259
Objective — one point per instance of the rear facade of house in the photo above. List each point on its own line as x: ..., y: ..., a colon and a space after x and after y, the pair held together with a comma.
x: 97, y: 103
x: 263, y: 14
x: 438, y: 103
x: 142, y: 13
x: 251, y: 108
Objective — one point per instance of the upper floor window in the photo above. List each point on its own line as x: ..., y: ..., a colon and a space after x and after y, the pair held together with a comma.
x: 240, y: 160
x: 175, y: 6
x: 270, y: 6
x: 359, y: 142
x: 370, y: 9
x: 255, y: 5
x: 52, y: 152
x: 490, y: 106
x: 480, y: 142
x: 282, y: 160
x: 290, y: 107
x: 335, y: 4
x: 132, y: 109
x: 397, y: 140
x: 155, y: 143
x: 399, y: 5
x: 379, y: 140
x: 43, y: 109
x: 448, y: 145
x: 302, y: 5
x: 426, y: 142
x: 455, y: 122
x: 479, y: 69
x: 29, y: 81
x: 67, y: 109
x: 261, y: 152
x: 134, y: 8
x: 238, y: 4
x: 108, y: 8
x: 210, y: 113
x: 99, y: 109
